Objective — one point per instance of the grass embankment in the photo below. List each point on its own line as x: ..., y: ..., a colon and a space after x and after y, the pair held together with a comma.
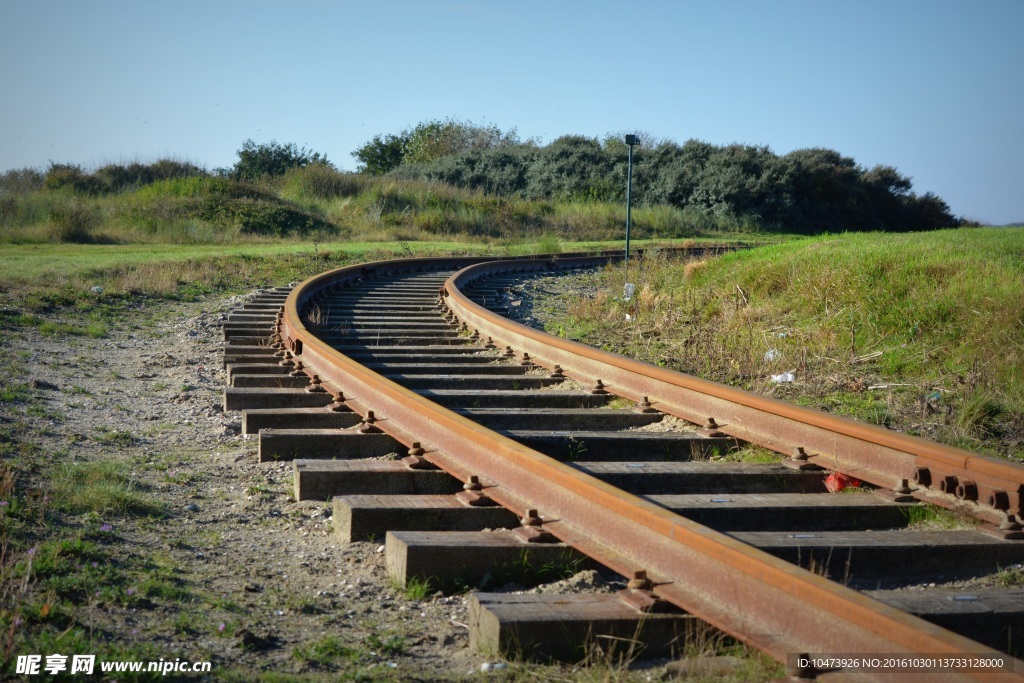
x: 316, y: 203
x: 917, y: 332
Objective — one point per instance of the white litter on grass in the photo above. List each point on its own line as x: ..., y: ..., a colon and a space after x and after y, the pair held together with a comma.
x: 784, y: 377
x: 772, y: 354
x: 628, y: 291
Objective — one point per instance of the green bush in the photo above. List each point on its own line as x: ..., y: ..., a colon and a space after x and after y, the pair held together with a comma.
x: 21, y: 181
x: 272, y: 159
x: 71, y: 177
x: 320, y: 181
x: 72, y: 220
x: 123, y: 177
x: 265, y: 218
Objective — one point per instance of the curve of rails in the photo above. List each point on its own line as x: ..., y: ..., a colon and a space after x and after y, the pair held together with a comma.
x: 767, y: 602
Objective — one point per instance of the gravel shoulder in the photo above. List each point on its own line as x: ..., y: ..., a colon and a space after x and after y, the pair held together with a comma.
x: 260, y: 578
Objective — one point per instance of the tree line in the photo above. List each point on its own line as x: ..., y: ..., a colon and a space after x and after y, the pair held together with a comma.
x: 807, y: 190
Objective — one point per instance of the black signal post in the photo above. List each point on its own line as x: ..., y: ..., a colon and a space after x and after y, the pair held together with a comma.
x: 630, y: 141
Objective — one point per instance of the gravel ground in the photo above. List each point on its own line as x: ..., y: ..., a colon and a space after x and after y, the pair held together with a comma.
x: 151, y: 399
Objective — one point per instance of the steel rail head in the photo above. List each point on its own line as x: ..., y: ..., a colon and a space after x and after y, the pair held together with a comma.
x: 776, y: 606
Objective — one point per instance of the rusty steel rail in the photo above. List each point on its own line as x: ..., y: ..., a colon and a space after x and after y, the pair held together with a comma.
x: 988, y: 488
x: 767, y: 602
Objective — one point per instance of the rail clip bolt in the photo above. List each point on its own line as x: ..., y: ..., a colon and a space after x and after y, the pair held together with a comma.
x: 923, y: 477
x: 526, y: 359
x: 338, y: 404
x: 999, y: 500
x: 967, y: 490
x: 645, y: 406
x: 473, y: 494
x: 948, y: 484
x: 903, y: 487
x: 557, y: 373
x: 712, y: 429
x: 369, y: 425
x: 799, y: 453
x: 315, y: 385
x: 490, y: 344
x: 640, y: 582
x: 415, y: 459
x: 531, y: 518
x: 297, y: 372
x: 509, y: 353
x: 599, y: 389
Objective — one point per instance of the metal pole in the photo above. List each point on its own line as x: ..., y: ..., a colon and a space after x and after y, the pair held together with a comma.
x: 629, y: 190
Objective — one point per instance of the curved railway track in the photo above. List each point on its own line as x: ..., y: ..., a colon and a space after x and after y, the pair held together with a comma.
x: 582, y: 455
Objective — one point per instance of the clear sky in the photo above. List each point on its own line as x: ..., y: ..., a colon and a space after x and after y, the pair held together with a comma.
x: 932, y: 87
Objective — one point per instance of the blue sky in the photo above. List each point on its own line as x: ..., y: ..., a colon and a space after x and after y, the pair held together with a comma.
x: 933, y: 87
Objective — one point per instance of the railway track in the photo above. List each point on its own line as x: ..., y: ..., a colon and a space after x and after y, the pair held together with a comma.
x: 521, y: 453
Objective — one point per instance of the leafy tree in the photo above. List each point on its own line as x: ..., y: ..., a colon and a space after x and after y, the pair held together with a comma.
x: 571, y: 166
x: 382, y: 154
x: 428, y: 142
x: 272, y: 159
x: 71, y: 177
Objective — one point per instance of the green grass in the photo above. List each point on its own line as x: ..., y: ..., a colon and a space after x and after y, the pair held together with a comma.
x: 927, y: 516
x: 921, y: 332
x: 1011, y: 577
x: 416, y: 588
x: 327, y: 652
x: 99, y: 487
